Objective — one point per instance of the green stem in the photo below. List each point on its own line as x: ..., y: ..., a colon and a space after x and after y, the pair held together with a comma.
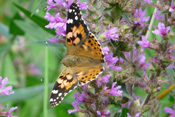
x: 151, y: 23
x: 46, y: 83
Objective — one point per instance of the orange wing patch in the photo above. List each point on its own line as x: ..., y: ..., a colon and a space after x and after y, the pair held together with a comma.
x: 74, y: 37
x: 66, y: 81
x: 88, y: 74
x: 91, y: 44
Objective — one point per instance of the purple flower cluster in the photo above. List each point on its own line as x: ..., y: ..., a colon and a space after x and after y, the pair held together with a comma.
x: 88, y: 97
x: 124, y: 41
x: 111, y: 60
x: 5, y: 90
x: 139, y: 60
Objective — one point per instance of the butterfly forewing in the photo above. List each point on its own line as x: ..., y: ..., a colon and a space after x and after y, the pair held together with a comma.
x: 91, y: 48
x: 76, y: 29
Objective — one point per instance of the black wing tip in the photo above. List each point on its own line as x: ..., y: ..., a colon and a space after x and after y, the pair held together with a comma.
x: 73, y: 5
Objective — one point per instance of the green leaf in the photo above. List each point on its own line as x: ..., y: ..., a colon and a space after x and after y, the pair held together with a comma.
x: 137, y: 74
x: 38, y: 20
x: 44, y: 43
x: 14, y: 29
x: 23, y: 93
x: 33, y: 30
x: 124, y: 112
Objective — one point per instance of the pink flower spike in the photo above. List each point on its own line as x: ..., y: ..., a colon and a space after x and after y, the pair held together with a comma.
x: 9, y: 111
x: 144, y: 43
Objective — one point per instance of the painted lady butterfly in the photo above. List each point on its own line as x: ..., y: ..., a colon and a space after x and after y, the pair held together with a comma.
x: 84, y: 57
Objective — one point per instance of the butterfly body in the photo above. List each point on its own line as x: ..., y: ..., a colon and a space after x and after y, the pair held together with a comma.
x: 84, y: 60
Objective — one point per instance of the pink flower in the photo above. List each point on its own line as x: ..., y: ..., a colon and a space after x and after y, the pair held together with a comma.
x: 105, y: 50
x: 111, y: 33
x: 137, y: 115
x: 171, y: 111
x: 140, y: 17
x: 144, y: 43
x: 114, y: 90
x: 53, y: 40
x: 56, y: 23
x: 111, y: 62
x: 158, y: 15
x: 172, y: 8
x: 5, y: 91
x: 104, y: 79
x: 148, y: 1
x: 162, y: 30
x: 142, y: 61
x: 9, y: 111
x: 103, y: 114
x: 79, y: 98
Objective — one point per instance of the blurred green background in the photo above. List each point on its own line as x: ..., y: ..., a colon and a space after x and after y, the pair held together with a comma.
x: 22, y: 58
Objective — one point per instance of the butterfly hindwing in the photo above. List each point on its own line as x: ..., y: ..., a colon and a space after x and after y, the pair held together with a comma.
x: 65, y: 83
x: 86, y: 74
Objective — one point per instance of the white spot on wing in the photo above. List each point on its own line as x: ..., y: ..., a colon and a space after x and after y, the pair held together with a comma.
x: 70, y: 10
x: 54, y: 91
x: 59, y: 94
x: 70, y: 21
x: 76, y: 17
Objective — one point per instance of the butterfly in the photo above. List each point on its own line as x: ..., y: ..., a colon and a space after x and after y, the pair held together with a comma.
x: 84, y: 59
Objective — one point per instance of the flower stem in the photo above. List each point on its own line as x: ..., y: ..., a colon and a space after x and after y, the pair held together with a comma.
x: 151, y: 23
x: 46, y: 83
